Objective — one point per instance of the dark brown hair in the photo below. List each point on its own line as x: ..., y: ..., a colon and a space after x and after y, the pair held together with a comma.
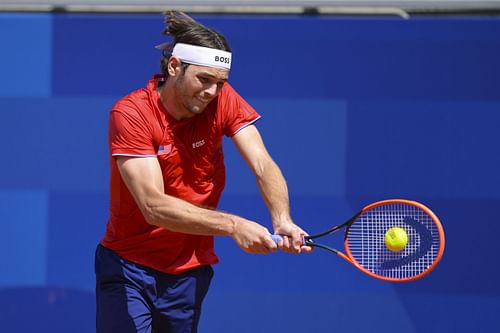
x: 185, y: 29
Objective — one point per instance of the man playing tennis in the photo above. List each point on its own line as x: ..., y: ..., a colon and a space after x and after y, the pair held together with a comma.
x: 153, y: 265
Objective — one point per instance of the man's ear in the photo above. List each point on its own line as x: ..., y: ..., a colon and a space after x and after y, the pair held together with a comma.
x: 174, y: 66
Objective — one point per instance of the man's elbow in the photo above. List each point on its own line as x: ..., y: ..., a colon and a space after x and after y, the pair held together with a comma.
x: 265, y: 167
x: 151, y: 210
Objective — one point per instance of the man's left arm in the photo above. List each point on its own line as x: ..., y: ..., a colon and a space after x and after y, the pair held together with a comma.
x: 272, y: 186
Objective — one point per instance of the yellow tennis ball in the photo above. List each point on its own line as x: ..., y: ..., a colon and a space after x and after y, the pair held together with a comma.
x: 396, y: 239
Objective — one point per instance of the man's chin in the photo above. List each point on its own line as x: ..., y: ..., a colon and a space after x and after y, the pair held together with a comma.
x: 197, y: 109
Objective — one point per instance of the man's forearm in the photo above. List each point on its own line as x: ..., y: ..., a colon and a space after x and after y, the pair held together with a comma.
x: 177, y: 215
x: 181, y: 216
x: 274, y: 191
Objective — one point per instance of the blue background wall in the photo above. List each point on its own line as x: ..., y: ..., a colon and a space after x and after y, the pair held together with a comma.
x: 354, y: 110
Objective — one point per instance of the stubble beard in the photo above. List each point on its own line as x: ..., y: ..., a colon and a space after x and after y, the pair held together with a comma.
x: 186, y: 101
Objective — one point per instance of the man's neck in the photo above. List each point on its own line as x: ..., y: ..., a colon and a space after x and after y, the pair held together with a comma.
x: 168, y: 101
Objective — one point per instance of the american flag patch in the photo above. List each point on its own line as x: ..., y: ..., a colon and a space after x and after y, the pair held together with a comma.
x: 164, y: 149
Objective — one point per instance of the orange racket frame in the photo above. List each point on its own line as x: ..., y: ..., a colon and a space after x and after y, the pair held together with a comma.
x: 368, y: 226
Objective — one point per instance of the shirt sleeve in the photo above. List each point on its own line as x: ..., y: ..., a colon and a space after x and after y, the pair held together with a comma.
x: 236, y: 112
x: 129, y: 133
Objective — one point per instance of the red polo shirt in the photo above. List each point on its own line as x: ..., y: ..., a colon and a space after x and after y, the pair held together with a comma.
x: 192, y: 163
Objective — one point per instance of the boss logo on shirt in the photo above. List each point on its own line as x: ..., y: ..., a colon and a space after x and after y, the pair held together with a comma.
x: 224, y: 60
x: 198, y: 144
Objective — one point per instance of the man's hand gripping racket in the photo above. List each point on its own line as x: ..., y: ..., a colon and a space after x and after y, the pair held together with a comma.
x: 393, y: 240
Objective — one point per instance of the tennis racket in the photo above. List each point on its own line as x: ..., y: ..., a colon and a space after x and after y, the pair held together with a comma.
x: 366, y: 249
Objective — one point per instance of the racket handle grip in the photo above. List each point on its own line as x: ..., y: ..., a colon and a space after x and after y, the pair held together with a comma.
x: 276, y: 238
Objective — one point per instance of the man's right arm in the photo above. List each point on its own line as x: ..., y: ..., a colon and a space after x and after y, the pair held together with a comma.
x: 144, y: 180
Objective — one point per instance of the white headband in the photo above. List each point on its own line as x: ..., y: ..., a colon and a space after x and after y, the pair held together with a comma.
x: 203, y: 56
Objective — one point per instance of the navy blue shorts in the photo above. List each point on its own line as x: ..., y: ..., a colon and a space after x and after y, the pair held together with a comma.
x: 134, y: 298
